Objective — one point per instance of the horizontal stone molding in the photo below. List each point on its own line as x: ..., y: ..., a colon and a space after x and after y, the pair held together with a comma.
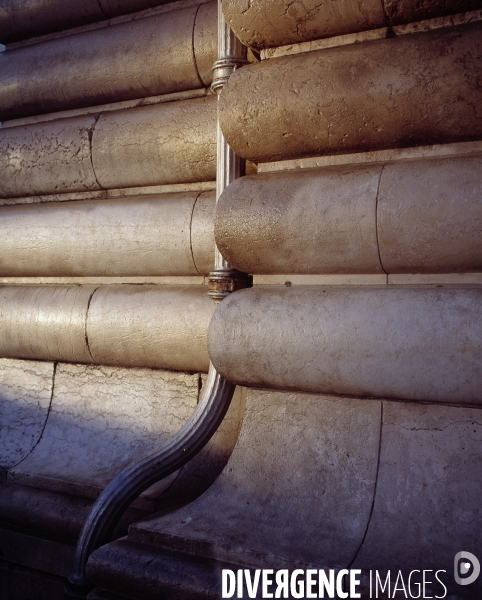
x: 301, y: 222
x: 44, y: 322
x: 429, y: 216
x: 150, y: 326
x: 410, y: 343
x: 50, y: 157
x: 167, y: 143
x: 271, y: 23
x: 169, y: 234
x: 129, y: 325
x: 420, y: 216
x: 160, y: 144
x: 21, y: 19
x: 165, y: 53
x: 407, y: 91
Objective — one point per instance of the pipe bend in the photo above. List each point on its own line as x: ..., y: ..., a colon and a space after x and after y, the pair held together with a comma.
x: 140, y: 475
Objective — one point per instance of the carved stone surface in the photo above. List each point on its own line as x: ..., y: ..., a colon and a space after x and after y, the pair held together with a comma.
x: 150, y: 326
x: 172, y: 142
x: 202, y: 232
x: 206, y: 40
x: 101, y: 419
x: 407, y: 91
x: 135, y: 59
x: 269, y: 23
x: 27, y: 18
x: 395, y: 342
x: 321, y: 221
x: 25, y: 393
x: 430, y: 216
x: 427, y: 505
x: 131, y: 325
x: 421, y: 216
x: 406, y: 11
x: 301, y: 464
x: 426, y: 491
x: 46, y: 323
x: 25, y: 583
x: 169, y: 234
x: 47, y: 157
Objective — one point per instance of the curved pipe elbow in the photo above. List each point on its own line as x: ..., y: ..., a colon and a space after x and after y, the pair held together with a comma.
x: 140, y: 475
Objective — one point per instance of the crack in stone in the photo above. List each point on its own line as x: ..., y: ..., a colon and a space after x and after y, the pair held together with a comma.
x: 374, y: 491
x: 54, y: 372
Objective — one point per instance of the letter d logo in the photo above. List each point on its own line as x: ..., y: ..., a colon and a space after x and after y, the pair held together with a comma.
x: 465, y: 567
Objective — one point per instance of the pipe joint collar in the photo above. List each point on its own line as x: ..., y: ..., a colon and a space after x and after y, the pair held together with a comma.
x: 222, y: 282
x: 223, y: 69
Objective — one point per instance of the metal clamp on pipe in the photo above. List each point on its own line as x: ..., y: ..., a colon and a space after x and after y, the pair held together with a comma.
x: 212, y: 408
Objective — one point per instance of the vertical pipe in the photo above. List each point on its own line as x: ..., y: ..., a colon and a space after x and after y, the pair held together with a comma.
x: 231, y: 55
x: 210, y: 411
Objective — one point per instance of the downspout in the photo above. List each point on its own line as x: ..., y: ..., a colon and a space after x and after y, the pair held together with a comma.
x: 215, y: 401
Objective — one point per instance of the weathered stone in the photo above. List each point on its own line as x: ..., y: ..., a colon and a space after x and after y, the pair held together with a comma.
x: 421, y: 216
x: 135, y: 59
x: 49, y: 157
x: 407, y: 91
x: 27, y: 18
x: 302, y: 464
x: 46, y: 323
x: 269, y: 23
x: 55, y: 557
x: 202, y: 471
x: 146, y: 572
x: 314, y: 222
x: 35, y: 511
x: 427, y: 505
x: 114, y: 8
x: 161, y: 326
x: 430, y: 216
x: 202, y: 233
x: 413, y: 343
x: 406, y: 11
x: 19, y: 583
x: 119, y: 237
x: 101, y: 420
x: 150, y: 326
x: 206, y: 40
x: 25, y: 393
x: 174, y: 142
x: 274, y: 23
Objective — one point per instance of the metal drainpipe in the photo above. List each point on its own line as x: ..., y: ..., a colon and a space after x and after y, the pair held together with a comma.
x: 215, y: 401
